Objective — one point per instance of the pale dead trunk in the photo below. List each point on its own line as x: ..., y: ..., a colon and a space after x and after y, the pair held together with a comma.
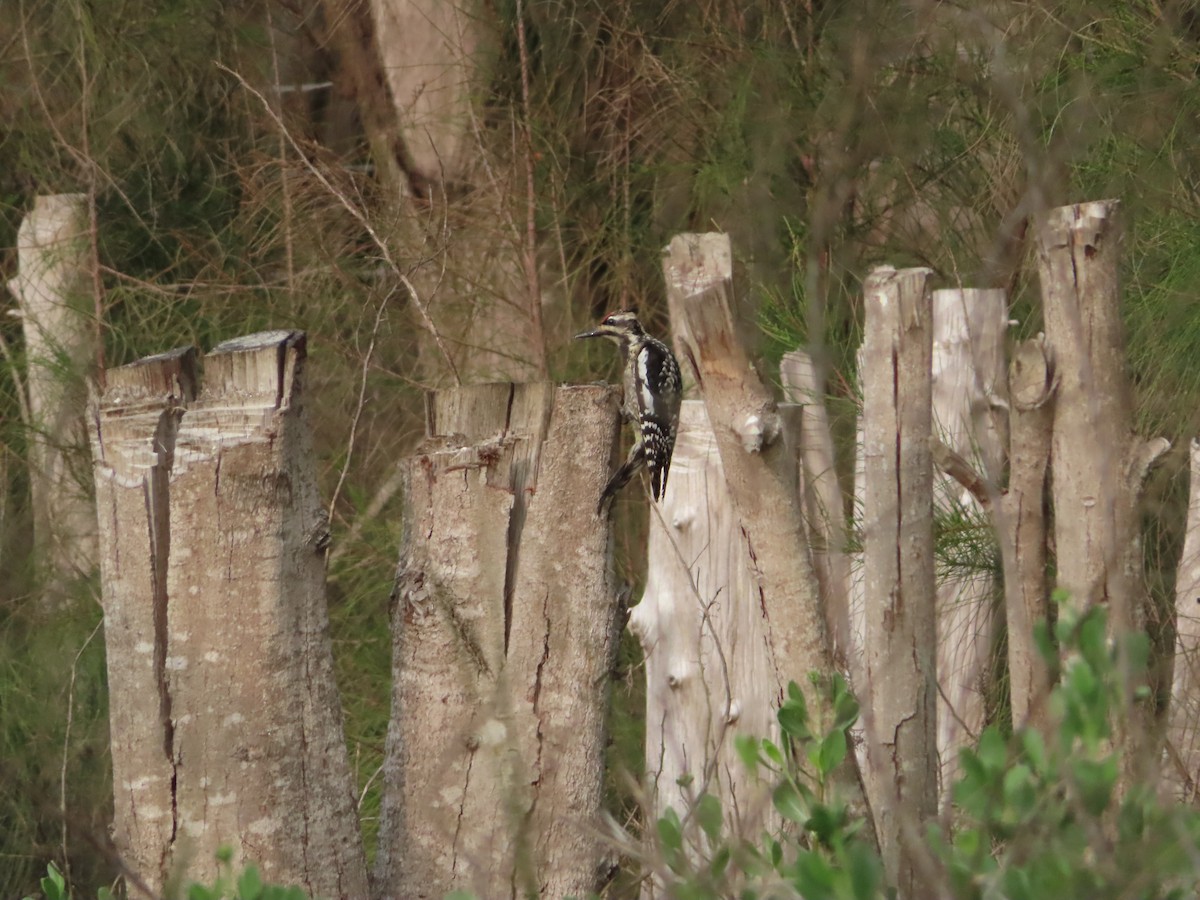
x: 1098, y: 463
x: 968, y: 388
x: 761, y: 474
x: 900, y: 637
x: 224, y: 696
x: 472, y: 221
x: 53, y: 294
x: 504, y: 632
x: 824, y: 505
x: 1021, y: 526
x: 703, y: 639
x: 1183, y: 723
x: 133, y: 447
x: 1095, y: 532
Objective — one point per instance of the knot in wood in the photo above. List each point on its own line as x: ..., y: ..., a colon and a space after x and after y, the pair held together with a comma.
x: 733, y: 713
x: 758, y: 431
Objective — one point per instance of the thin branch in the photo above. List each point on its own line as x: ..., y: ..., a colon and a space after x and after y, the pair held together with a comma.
x: 954, y: 465
x: 358, y: 215
x: 362, y: 394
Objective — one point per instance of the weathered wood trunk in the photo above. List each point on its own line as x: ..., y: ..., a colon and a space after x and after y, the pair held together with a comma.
x: 703, y: 639
x: 900, y: 637
x: 51, y: 288
x: 504, y: 632
x: 474, y: 211
x: 761, y: 474
x: 824, y: 505
x: 1096, y: 483
x: 1183, y: 728
x: 1021, y: 526
x: 968, y: 390
x: 226, y: 719
x: 1095, y: 529
x: 133, y: 448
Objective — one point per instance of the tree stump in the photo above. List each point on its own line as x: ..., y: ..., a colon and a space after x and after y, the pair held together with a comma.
x: 226, y: 719
x: 504, y: 628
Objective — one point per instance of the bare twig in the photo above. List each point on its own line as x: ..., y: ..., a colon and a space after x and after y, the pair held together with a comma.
x: 359, y: 216
x: 358, y: 409
x: 954, y: 465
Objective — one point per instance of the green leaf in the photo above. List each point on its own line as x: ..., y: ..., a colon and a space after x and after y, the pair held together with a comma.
x: 993, y: 749
x: 200, y: 892
x: 825, y: 822
x: 1096, y: 780
x: 866, y: 872
x: 814, y: 876
x: 790, y: 804
x: 709, y: 815
x: 249, y: 884
x: 845, y: 711
x: 772, y: 753
x: 776, y: 852
x: 832, y: 752
x: 793, y: 718
x: 747, y: 748
x: 720, y: 862
x: 1019, y: 791
x: 54, y: 885
x: 1035, y: 749
x: 670, y: 833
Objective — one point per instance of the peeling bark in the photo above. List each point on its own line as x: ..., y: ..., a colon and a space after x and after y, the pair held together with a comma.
x: 504, y: 631
x: 899, y: 596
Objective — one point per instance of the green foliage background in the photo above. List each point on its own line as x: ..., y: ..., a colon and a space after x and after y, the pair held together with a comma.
x: 825, y: 137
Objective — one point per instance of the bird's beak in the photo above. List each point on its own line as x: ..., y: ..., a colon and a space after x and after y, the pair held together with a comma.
x: 589, y: 334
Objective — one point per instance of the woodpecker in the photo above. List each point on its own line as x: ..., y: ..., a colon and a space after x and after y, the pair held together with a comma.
x: 653, y: 389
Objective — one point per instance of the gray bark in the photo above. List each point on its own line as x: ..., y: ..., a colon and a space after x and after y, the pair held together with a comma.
x: 504, y: 631
x: 52, y: 291
x: 1021, y: 526
x: 133, y: 445
x: 217, y: 582
x: 761, y: 474
x: 900, y: 636
x: 1097, y: 482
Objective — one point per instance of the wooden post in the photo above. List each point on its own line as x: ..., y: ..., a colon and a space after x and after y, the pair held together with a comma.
x: 1096, y: 531
x: 1183, y: 722
x: 51, y: 288
x: 1021, y: 525
x: 703, y: 639
x: 218, y: 609
x: 1097, y: 483
x: 824, y: 504
x: 133, y: 446
x: 761, y: 474
x: 900, y: 642
x: 968, y: 388
x: 504, y: 632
